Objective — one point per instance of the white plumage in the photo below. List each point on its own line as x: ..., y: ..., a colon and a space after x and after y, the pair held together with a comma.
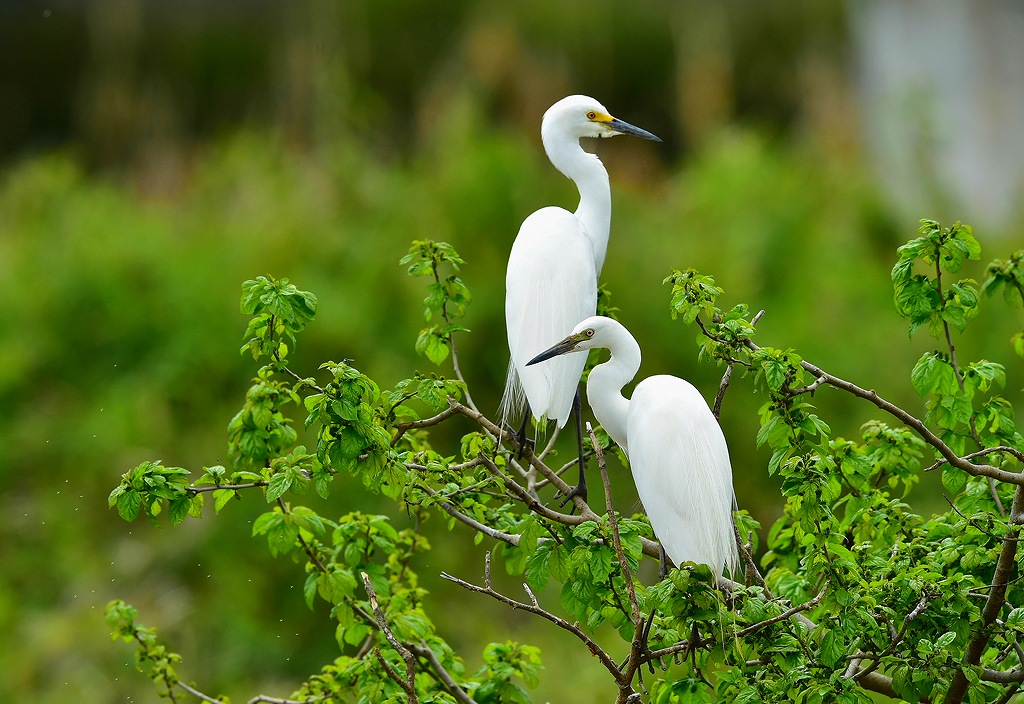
x: 559, y: 291
x: 551, y: 281
x: 676, y: 449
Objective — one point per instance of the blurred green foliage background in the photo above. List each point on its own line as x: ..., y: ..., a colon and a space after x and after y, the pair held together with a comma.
x: 155, y: 155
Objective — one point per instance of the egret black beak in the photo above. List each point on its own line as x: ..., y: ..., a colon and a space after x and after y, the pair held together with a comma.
x: 564, y: 347
x: 618, y: 126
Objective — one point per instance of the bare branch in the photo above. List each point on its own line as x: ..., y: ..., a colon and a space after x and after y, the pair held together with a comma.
x: 525, y: 496
x: 199, y: 695
x: 274, y: 700
x: 536, y: 609
x: 1007, y: 677
x: 408, y: 684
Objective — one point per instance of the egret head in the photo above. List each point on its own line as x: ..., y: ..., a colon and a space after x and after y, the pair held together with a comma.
x: 581, y: 116
x: 596, y: 331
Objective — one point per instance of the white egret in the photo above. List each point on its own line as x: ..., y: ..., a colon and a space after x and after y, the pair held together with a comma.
x: 676, y: 449
x: 551, y: 281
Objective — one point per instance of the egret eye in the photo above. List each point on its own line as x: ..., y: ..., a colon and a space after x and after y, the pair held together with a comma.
x: 590, y: 332
x: 591, y: 115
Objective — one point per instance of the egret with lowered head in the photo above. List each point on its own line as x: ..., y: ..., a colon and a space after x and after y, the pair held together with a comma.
x: 676, y: 449
x: 551, y: 281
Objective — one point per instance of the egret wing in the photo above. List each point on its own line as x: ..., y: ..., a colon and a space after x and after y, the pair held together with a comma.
x: 551, y: 285
x: 680, y: 463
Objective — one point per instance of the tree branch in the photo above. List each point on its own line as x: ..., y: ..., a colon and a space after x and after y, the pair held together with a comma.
x: 408, y: 684
x: 472, y: 522
x: 231, y: 487
x: 638, y: 643
x: 535, y: 608
x: 423, y: 423
x: 975, y: 470
x: 424, y: 651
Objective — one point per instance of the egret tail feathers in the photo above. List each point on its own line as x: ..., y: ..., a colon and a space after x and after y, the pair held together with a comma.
x: 513, y: 400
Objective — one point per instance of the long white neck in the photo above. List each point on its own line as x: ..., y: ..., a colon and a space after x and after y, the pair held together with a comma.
x: 604, y: 387
x: 591, y: 178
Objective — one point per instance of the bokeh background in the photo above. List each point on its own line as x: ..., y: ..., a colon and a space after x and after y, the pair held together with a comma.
x: 154, y: 154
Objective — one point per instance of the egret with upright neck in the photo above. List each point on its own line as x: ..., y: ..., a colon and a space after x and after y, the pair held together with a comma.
x: 551, y: 281
x: 676, y: 449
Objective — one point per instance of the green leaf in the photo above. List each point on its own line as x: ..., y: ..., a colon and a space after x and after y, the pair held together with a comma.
x: 179, y: 508
x: 129, y: 504
x: 279, y: 484
x: 309, y: 588
x: 221, y: 497
x: 953, y: 479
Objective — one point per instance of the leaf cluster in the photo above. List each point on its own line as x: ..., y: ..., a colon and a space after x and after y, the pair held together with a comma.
x: 854, y: 591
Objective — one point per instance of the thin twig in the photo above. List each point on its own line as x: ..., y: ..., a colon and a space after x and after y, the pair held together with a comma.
x: 453, y: 348
x: 422, y: 423
x: 785, y: 615
x: 748, y: 557
x: 1017, y: 454
x: 723, y: 386
x: 310, y: 552
x: 527, y: 454
x: 922, y: 604
x: 231, y: 487
x: 637, y: 644
x: 470, y: 521
x: 293, y: 375
x: 524, y: 496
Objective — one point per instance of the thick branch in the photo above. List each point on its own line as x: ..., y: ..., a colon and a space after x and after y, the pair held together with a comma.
x: 996, y: 599
x: 1008, y: 677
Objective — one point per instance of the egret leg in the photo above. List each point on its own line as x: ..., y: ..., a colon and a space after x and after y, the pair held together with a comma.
x: 521, y: 435
x: 663, y: 570
x: 581, y: 488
